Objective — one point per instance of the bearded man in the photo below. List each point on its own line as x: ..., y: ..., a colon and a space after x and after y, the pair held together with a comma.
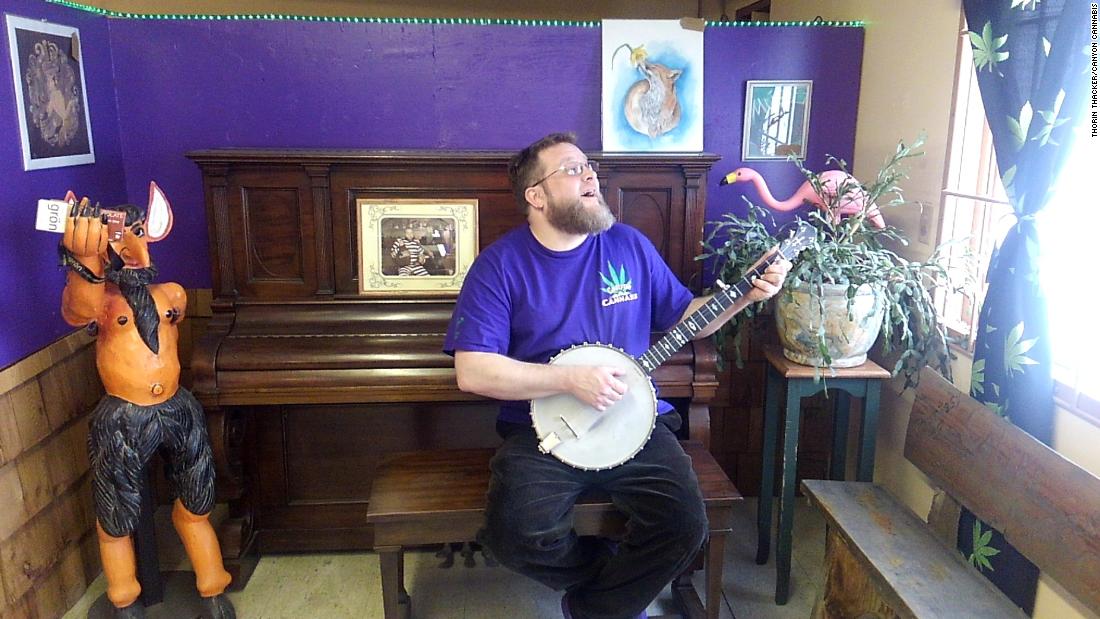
x: 573, y: 275
x: 109, y: 290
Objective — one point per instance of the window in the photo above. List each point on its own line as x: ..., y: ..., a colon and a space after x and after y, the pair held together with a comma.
x: 1068, y: 233
x: 974, y: 207
x: 973, y: 202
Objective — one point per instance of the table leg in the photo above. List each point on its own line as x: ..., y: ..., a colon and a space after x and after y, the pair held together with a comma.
x: 767, y: 466
x: 865, y: 466
x: 402, y: 594
x: 786, y: 494
x: 842, y: 405
x: 716, y: 546
x: 395, y: 601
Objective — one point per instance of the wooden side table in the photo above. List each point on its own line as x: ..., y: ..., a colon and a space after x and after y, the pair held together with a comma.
x: 862, y: 381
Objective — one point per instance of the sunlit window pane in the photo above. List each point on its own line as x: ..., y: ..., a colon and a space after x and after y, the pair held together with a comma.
x: 1068, y: 230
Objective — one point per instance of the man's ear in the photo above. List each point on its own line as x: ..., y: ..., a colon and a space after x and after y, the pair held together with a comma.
x: 535, y: 196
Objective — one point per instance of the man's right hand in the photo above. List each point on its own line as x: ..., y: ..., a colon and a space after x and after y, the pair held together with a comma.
x: 596, y: 386
x: 85, y: 233
x: 496, y: 376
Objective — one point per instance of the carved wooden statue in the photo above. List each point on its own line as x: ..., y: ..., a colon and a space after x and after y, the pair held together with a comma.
x: 108, y: 289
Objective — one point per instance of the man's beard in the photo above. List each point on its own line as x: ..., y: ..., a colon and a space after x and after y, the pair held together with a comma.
x: 574, y: 218
x: 134, y: 286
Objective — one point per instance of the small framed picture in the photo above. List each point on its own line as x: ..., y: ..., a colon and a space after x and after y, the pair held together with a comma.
x: 415, y: 247
x: 50, y: 95
x: 777, y: 119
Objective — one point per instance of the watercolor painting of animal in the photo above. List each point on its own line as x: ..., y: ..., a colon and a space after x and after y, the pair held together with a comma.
x: 651, y: 106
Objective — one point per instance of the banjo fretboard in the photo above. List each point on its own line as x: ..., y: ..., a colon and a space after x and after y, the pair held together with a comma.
x: 721, y: 301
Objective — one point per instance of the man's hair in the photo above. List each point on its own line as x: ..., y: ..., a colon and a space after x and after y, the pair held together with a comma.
x: 523, y: 169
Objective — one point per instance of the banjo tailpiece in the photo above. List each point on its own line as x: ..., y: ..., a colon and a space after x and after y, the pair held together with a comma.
x: 566, y: 429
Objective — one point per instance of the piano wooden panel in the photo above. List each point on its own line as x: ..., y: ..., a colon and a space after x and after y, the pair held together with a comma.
x: 308, y: 385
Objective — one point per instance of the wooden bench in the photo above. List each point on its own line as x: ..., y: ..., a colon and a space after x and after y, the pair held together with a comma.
x: 431, y: 497
x: 883, y: 561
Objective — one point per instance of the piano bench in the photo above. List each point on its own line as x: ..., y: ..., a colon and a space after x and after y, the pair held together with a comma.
x: 432, y: 497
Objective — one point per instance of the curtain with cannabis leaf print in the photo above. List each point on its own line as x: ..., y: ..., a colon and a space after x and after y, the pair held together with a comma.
x: 1030, y: 59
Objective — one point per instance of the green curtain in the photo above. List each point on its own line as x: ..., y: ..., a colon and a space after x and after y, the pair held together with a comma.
x: 1031, y: 59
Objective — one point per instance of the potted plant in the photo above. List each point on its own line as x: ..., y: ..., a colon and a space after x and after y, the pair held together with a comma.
x: 848, y: 277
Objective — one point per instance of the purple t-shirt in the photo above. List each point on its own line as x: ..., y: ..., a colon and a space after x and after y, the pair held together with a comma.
x: 527, y: 302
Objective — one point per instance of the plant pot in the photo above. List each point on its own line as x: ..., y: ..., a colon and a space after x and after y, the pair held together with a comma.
x: 848, y: 335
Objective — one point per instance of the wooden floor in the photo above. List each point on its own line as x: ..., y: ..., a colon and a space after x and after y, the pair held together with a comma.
x: 346, y: 585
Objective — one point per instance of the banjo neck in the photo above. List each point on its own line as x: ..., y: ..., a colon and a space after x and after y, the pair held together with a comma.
x: 701, y: 318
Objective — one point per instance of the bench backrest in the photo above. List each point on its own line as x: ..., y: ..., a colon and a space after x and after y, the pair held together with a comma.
x: 1047, y: 507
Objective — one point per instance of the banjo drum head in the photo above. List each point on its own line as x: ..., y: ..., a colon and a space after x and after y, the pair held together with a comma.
x: 614, y: 435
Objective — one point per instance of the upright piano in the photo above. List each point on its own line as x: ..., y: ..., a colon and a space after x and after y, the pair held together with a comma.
x: 307, y: 383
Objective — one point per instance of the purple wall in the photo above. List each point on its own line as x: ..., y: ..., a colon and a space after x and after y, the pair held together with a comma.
x: 189, y: 85
x: 30, y: 279
x: 831, y: 57
x: 184, y: 85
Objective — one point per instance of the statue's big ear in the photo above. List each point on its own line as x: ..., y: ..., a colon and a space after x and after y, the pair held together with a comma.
x: 158, y: 221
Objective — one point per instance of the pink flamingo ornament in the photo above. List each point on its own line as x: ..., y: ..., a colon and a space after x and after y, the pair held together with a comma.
x: 830, y: 180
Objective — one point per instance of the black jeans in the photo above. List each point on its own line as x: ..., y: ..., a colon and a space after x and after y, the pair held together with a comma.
x: 529, y: 521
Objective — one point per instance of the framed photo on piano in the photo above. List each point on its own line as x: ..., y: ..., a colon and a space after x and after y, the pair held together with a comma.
x: 410, y: 247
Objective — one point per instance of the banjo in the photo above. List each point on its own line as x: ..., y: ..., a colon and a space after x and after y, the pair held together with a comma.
x: 581, y: 436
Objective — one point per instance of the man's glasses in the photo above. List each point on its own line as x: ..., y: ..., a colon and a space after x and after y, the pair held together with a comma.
x: 571, y: 169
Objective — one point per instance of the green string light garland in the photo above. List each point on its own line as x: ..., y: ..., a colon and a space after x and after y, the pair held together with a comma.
x: 461, y: 21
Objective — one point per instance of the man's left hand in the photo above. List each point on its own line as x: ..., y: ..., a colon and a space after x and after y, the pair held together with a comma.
x: 771, y: 282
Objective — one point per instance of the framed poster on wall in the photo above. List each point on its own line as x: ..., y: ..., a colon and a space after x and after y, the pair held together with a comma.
x: 777, y: 119
x: 652, y: 86
x: 50, y: 95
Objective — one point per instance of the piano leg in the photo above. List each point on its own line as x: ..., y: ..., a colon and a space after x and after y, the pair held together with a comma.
x: 239, y: 552
x: 235, y: 534
x: 699, y: 423
x: 226, y: 432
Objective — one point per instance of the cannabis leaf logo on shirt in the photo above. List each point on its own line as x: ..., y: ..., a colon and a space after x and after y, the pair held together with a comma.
x: 616, y: 282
